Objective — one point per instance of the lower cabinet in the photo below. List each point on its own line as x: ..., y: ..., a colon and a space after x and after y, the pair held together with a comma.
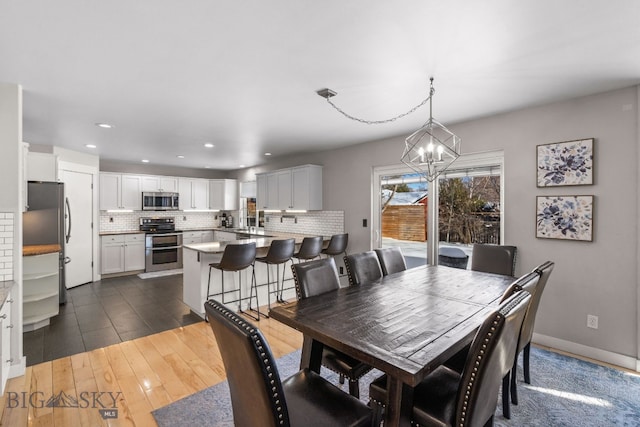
x: 225, y: 236
x: 40, y: 298
x: 6, y: 326
x: 191, y: 237
x: 122, y: 253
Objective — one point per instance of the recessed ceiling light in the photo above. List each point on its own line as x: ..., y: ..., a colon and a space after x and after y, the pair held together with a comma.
x: 241, y: 166
x: 90, y: 146
x: 145, y: 161
x: 104, y: 125
x: 207, y: 167
x: 180, y: 156
x: 267, y: 154
x: 209, y: 145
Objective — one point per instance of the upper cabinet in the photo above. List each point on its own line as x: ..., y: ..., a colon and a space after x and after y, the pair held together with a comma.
x: 120, y: 191
x: 164, y: 184
x: 42, y: 167
x: 223, y: 194
x: 194, y: 193
x: 298, y: 188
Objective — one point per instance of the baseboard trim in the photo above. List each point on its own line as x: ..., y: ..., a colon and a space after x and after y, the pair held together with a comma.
x: 623, y: 361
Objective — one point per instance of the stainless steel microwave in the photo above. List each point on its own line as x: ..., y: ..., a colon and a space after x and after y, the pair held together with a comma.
x: 156, y: 201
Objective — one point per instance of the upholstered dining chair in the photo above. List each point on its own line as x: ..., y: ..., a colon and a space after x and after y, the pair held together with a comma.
x: 527, y: 282
x: 314, y: 278
x: 259, y: 397
x: 497, y: 259
x: 391, y: 260
x: 363, y: 267
x: 449, y: 398
x: 524, y: 343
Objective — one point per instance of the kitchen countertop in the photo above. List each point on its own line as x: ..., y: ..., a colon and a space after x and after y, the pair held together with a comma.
x: 32, y: 250
x: 261, y: 242
x: 229, y: 230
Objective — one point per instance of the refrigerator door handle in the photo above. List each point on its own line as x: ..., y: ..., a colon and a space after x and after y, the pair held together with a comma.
x: 68, y: 215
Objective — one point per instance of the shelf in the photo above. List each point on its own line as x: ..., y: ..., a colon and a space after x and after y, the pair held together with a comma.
x: 36, y: 318
x: 36, y: 276
x: 39, y: 297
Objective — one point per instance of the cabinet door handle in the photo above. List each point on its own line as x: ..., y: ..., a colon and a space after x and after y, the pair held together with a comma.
x: 4, y: 316
x: 10, y: 300
x: 9, y: 326
x: 9, y: 360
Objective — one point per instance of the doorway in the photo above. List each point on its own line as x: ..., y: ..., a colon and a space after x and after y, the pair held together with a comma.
x: 79, y: 227
x: 471, y: 206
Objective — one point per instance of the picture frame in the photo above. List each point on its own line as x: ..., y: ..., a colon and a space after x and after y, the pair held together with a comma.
x: 565, y: 163
x: 564, y: 217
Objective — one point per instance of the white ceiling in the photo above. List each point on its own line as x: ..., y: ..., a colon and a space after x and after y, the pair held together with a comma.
x: 172, y: 75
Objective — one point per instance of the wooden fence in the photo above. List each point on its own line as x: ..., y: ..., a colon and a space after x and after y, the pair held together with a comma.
x: 405, y: 222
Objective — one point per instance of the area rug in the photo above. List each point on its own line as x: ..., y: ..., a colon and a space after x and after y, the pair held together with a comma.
x: 162, y: 273
x: 564, y: 392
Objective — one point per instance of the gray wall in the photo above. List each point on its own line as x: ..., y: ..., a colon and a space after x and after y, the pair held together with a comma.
x: 599, y: 277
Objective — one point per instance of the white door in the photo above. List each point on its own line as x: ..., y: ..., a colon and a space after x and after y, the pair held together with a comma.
x: 79, y: 211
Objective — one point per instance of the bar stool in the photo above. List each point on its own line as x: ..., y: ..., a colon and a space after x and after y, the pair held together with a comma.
x: 236, y: 257
x: 310, y: 248
x: 280, y: 251
x: 337, y: 245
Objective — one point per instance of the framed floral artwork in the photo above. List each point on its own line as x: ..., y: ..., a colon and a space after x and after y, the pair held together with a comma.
x: 565, y: 163
x: 564, y: 217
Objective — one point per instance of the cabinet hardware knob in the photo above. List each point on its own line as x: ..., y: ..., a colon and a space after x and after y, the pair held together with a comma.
x: 10, y: 300
x: 4, y: 316
x: 9, y: 326
x: 9, y: 360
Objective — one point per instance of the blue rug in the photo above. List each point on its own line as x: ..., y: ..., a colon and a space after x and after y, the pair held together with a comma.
x: 564, y: 392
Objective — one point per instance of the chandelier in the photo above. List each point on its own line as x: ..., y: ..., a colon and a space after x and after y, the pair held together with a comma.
x: 430, y: 150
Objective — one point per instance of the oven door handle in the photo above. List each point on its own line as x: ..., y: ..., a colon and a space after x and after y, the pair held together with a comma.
x: 165, y: 247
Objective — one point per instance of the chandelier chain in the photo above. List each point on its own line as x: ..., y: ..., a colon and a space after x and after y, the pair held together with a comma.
x: 379, y: 122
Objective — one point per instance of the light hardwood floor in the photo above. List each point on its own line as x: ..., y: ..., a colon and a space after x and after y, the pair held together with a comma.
x: 144, y: 374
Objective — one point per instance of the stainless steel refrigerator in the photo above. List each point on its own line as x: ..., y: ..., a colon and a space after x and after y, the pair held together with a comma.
x: 46, y: 220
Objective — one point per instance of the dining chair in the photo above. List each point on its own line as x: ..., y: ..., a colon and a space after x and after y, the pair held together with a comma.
x: 498, y: 259
x: 363, y: 267
x: 258, y: 395
x: 524, y: 343
x: 449, y: 398
x: 280, y: 251
x: 236, y: 257
x: 391, y: 260
x: 315, y: 278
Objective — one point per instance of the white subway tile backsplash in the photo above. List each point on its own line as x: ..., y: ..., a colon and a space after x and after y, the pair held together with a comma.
x: 113, y: 222
x: 6, y: 245
x: 322, y: 223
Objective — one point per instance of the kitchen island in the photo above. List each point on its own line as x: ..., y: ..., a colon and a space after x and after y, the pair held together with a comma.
x: 197, y: 257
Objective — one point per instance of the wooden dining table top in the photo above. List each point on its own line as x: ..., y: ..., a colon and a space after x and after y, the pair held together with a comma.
x: 405, y: 324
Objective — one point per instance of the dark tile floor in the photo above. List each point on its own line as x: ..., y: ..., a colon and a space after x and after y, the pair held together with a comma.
x: 107, y: 312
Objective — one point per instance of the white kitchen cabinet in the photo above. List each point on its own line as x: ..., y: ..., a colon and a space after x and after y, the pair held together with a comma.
x: 41, y: 292
x: 224, y: 236
x: 164, y: 184
x: 198, y: 236
x: 42, y: 167
x: 298, y: 188
x: 120, y: 191
x: 194, y: 193
x: 223, y: 194
x: 122, y: 253
x: 261, y: 191
x: 6, y: 328
x: 306, y: 188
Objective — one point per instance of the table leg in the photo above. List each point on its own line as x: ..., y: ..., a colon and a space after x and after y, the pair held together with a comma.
x: 311, y: 354
x: 400, y: 401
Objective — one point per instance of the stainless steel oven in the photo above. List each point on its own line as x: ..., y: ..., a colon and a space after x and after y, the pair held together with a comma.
x: 163, y: 244
x: 163, y: 251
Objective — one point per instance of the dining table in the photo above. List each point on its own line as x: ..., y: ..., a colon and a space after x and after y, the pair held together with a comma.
x: 405, y: 324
